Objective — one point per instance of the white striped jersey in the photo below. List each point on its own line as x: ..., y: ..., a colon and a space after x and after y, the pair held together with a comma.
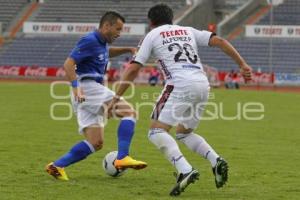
x: 176, y: 49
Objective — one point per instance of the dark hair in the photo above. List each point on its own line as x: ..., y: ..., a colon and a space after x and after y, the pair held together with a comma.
x: 160, y: 14
x: 111, y: 17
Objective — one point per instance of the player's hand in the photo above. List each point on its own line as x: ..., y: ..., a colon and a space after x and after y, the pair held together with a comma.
x: 78, y: 94
x: 111, y: 106
x: 246, y: 72
x: 133, y: 50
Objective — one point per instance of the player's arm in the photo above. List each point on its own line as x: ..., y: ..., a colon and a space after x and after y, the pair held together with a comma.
x: 116, y: 51
x: 82, y: 50
x: 69, y: 67
x: 131, y: 72
x: 129, y: 75
x: 226, y: 47
x: 141, y: 57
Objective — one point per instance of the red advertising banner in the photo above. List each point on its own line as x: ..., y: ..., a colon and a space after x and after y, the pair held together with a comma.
x: 258, y: 78
x: 58, y: 72
x: 32, y: 71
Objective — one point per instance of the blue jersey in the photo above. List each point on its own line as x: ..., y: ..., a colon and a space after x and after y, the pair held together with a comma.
x: 91, y: 56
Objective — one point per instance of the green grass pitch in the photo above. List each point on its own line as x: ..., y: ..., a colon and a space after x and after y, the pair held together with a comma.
x: 264, y: 155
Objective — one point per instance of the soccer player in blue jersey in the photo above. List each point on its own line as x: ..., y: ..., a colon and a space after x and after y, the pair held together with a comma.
x: 85, y: 68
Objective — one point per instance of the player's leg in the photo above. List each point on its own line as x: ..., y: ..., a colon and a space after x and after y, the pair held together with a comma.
x: 93, y: 132
x: 126, y: 129
x: 159, y: 136
x: 94, y: 136
x: 92, y: 143
x: 90, y: 120
x: 190, y: 120
x: 196, y: 143
x: 199, y: 145
x: 162, y: 121
x: 81, y: 150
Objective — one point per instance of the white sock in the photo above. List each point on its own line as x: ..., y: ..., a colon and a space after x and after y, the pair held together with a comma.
x: 199, y: 145
x: 168, y: 146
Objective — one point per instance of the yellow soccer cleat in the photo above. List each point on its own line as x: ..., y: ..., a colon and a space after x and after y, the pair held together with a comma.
x: 129, y: 162
x: 57, y: 172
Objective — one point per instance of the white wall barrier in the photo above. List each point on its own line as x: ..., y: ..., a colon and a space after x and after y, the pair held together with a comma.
x: 77, y: 28
x: 273, y: 31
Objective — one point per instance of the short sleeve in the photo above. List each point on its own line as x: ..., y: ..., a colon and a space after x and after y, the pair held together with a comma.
x: 144, y: 50
x: 82, y: 50
x: 202, y: 37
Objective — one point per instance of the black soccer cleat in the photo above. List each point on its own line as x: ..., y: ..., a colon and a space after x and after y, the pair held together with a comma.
x: 183, y: 180
x: 221, y: 172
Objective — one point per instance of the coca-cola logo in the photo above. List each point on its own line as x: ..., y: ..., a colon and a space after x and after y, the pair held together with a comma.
x: 36, y: 71
x: 264, y: 78
x: 60, y: 72
x: 10, y: 71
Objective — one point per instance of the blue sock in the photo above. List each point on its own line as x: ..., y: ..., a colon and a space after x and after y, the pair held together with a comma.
x: 125, y: 134
x: 78, y: 152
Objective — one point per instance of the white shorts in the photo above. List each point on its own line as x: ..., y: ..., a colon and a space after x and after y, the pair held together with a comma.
x: 90, y: 112
x: 182, y: 104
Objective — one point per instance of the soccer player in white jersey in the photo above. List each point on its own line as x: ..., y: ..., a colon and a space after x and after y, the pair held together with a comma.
x: 185, y: 93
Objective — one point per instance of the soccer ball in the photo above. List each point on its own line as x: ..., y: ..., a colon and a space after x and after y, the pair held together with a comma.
x: 108, y: 165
